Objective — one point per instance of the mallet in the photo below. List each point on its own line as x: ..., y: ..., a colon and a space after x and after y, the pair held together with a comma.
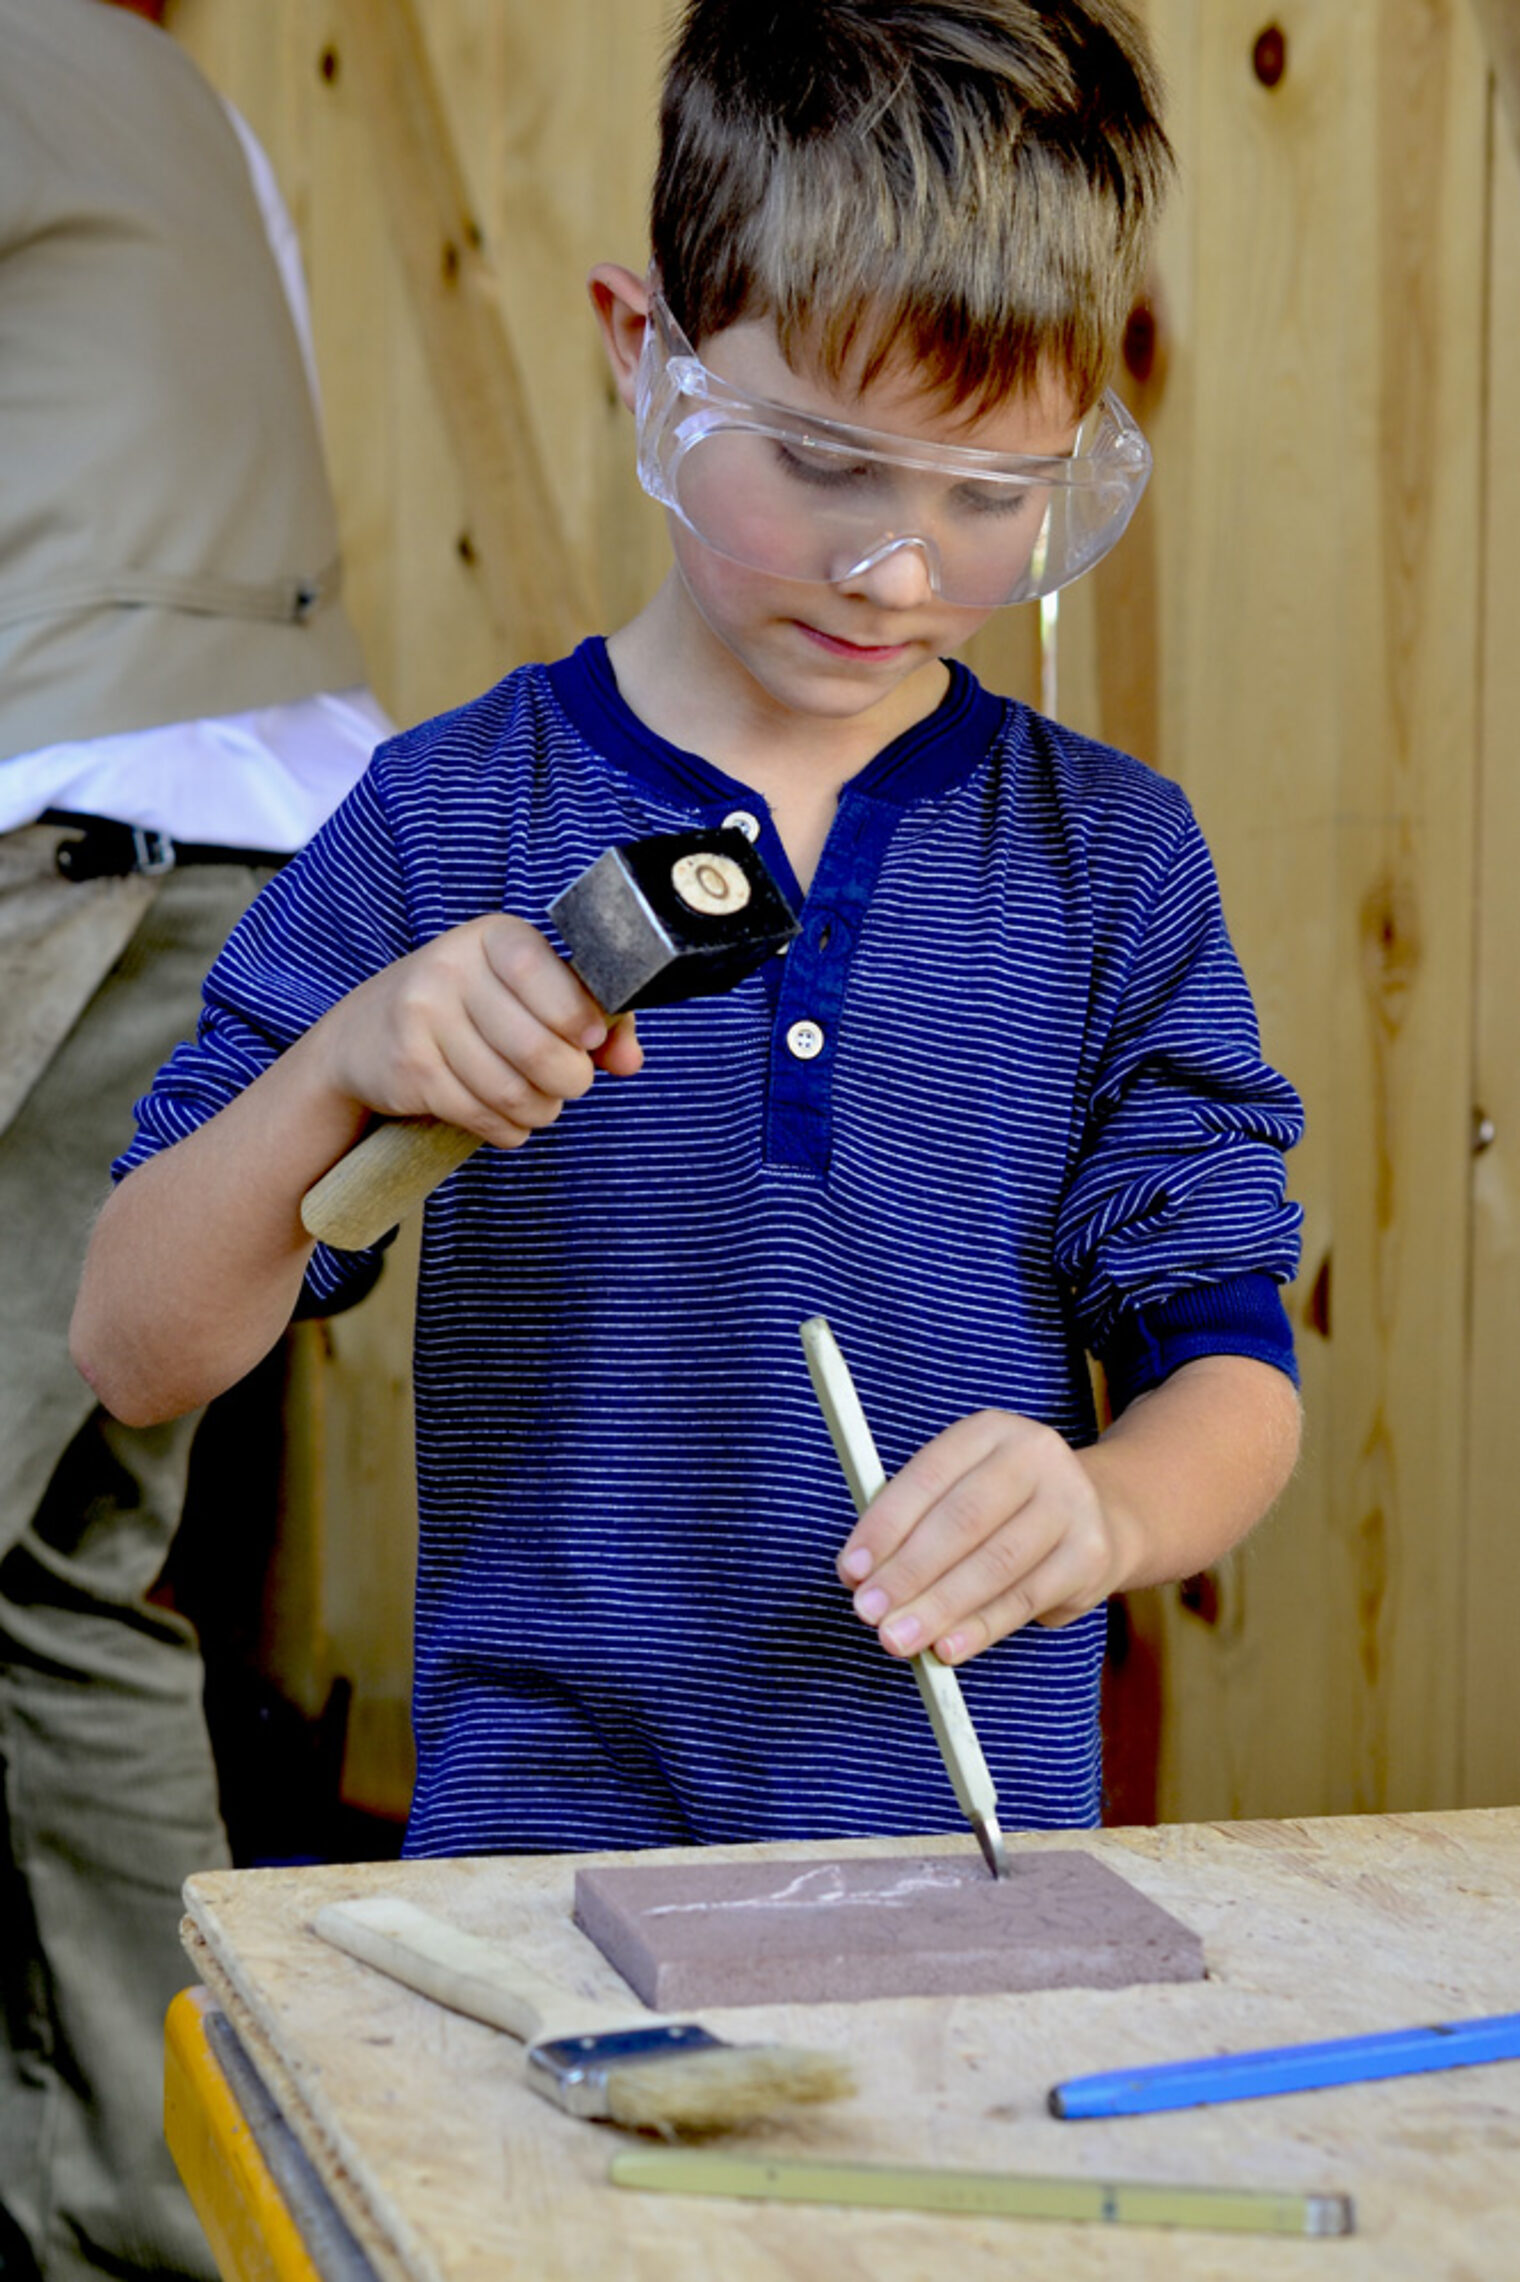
x: 678, y: 915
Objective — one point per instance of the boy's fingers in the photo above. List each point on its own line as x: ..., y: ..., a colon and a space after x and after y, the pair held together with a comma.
x: 455, y: 1103
x: 994, y: 1571
x: 1049, y: 1566
x: 520, y: 958
x: 508, y: 1046
x: 897, y: 1508
x: 978, y: 1534
x: 1017, y: 1535
x: 949, y: 1497
x: 502, y: 1091
x: 1046, y: 1596
x: 621, y: 1054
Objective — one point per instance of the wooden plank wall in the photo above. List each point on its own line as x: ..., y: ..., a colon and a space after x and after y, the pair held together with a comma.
x: 1491, y: 1551
x: 1320, y: 452
x: 1310, y: 625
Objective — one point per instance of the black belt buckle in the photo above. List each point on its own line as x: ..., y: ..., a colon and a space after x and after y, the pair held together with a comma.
x: 108, y: 850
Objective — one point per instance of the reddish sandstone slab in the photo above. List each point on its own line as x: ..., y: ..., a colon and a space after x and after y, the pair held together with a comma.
x: 761, y: 1933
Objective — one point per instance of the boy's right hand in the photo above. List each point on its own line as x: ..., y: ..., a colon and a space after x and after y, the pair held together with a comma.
x: 485, y: 1028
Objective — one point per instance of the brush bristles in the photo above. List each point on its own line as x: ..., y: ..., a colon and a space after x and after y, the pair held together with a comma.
x: 725, y: 2085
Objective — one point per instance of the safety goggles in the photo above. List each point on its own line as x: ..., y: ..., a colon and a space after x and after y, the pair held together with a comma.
x: 805, y: 497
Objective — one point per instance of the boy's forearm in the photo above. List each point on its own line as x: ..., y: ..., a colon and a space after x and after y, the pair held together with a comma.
x: 1193, y: 1465
x: 197, y: 1259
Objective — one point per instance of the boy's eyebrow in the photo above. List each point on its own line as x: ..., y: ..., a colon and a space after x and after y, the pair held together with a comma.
x: 831, y: 427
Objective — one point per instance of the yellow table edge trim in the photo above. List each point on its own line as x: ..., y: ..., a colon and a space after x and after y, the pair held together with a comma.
x: 246, y: 2219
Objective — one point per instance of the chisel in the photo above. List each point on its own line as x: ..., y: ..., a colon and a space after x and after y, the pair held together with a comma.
x: 937, y: 1684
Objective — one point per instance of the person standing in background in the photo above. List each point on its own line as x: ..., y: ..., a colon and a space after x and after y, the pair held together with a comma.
x: 182, y: 703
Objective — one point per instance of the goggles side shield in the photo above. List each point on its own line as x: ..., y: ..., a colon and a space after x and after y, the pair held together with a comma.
x: 806, y: 497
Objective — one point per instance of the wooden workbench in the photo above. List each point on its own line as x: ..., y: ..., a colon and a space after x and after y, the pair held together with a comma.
x: 448, y: 2168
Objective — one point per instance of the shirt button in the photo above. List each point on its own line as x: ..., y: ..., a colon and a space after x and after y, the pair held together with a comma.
x: 805, y: 1040
x: 740, y: 820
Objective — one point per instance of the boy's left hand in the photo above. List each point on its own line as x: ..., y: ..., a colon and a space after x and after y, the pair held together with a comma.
x: 994, y: 1524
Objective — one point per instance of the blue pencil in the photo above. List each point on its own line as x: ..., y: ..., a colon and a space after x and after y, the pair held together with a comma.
x: 1289, y: 2068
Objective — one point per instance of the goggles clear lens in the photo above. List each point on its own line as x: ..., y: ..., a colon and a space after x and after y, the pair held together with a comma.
x: 805, y: 497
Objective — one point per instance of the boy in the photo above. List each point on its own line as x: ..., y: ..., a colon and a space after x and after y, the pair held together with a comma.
x: 1002, y: 1100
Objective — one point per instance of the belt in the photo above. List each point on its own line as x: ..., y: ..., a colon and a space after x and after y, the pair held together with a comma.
x: 106, y: 849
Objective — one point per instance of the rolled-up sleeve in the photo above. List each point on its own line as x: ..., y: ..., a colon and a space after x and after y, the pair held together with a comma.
x: 331, y: 918
x: 1175, y: 1228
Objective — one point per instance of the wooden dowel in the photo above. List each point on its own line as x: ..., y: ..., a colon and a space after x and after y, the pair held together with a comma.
x: 383, y: 1178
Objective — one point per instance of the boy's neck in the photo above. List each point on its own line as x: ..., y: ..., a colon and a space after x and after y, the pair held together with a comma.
x: 687, y: 689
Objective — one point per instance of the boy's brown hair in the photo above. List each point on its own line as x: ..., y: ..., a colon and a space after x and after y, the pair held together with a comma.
x: 972, y: 182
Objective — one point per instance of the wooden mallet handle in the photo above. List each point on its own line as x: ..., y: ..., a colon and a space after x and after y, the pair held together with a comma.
x: 383, y: 1178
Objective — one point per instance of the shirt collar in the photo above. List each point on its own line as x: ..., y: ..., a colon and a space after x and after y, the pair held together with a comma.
x: 931, y: 757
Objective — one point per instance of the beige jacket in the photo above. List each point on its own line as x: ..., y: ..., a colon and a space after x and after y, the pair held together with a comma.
x: 168, y: 547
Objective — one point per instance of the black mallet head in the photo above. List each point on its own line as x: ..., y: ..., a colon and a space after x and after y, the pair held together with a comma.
x: 678, y: 915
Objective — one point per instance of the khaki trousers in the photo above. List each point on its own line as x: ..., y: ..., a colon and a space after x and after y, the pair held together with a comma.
x: 108, y: 1793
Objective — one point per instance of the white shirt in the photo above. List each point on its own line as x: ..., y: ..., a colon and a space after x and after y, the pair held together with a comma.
x: 265, y: 779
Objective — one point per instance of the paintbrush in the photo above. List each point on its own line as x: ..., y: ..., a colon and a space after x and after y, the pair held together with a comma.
x: 668, y: 2077
x: 855, y: 1446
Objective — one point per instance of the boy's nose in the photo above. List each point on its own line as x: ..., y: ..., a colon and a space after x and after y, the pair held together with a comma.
x: 897, y: 574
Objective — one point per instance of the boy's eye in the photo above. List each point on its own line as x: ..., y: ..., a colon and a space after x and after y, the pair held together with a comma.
x: 824, y: 471
x: 1004, y: 499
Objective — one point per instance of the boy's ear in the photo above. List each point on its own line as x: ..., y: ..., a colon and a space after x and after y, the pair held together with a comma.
x: 621, y: 302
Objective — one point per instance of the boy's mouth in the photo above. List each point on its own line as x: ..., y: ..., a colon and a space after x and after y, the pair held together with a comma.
x: 869, y: 653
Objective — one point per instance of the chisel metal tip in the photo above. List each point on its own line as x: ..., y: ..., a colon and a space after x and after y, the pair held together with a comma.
x: 989, y: 1837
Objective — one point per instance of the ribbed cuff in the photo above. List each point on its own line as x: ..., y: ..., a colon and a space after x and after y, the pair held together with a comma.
x: 1243, y: 1316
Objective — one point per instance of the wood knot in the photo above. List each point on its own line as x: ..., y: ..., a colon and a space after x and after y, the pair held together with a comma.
x: 328, y: 64
x: 1392, y: 948
x: 1371, y: 1569
x: 1200, y: 1597
x: 1139, y: 349
x: 1269, y: 56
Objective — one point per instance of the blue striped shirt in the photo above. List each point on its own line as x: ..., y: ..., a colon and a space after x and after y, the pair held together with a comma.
x: 1039, y: 1123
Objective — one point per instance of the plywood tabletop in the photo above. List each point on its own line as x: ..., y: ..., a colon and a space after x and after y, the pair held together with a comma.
x: 449, y: 2168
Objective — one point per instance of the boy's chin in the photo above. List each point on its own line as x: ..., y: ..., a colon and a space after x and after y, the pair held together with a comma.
x: 810, y: 673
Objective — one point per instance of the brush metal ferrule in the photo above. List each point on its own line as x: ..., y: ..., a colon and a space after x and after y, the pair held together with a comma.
x: 572, y: 2071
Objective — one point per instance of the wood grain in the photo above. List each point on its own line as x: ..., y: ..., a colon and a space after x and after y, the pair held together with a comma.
x: 1500, y: 23
x: 1317, y: 500
x: 534, y: 589
x: 1490, y: 1556
x: 435, y: 2148
x: 338, y: 1597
